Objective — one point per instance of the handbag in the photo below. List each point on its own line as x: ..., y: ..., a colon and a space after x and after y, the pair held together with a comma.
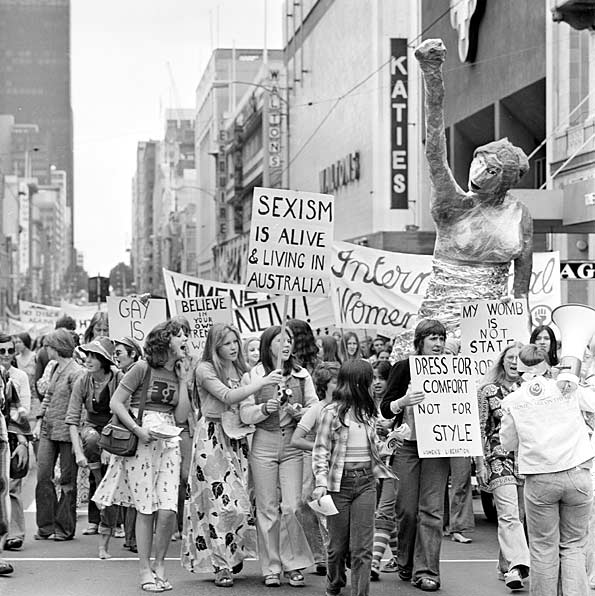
x: 17, y: 471
x: 118, y: 439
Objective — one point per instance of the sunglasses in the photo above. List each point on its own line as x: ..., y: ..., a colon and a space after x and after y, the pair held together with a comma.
x: 9, y: 351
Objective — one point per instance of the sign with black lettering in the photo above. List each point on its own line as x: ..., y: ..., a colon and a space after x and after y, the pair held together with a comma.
x: 128, y: 316
x: 202, y: 312
x: 581, y: 270
x: 290, y: 242
x: 447, y: 420
x: 399, y: 107
x: 488, y: 326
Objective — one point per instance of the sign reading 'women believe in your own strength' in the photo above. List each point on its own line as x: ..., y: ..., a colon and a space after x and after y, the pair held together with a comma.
x: 290, y: 242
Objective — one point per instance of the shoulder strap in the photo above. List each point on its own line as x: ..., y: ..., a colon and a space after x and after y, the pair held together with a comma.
x: 143, y: 395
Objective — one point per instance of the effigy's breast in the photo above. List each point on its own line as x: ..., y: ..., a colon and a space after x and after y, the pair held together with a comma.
x: 484, y: 235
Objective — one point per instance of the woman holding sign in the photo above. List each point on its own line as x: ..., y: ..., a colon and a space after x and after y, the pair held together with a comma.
x: 218, y: 529
x: 277, y: 466
x: 422, y: 481
x: 496, y: 471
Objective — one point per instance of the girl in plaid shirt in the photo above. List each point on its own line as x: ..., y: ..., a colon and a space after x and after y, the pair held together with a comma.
x: 346, y: 463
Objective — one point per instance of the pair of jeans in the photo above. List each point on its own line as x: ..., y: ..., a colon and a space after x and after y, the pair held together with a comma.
x: 557, y: 506
x: 514, y: 551
x: 55, y: 516
x: 277, y: 470
x: 460, y: 496
x: 352, y: 530
x: 420, y: 511
x: 106, y: 519
x: 17, y: 515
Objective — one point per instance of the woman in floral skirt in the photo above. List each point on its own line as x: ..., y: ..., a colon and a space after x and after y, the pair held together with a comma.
x: 149, y: 480
x: 219, y: 531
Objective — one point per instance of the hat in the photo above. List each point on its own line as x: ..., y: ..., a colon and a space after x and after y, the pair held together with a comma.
x: 103, y: 346
x: 131, y: 343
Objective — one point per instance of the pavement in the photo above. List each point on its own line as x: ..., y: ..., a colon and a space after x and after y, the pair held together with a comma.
x: 73, y: 569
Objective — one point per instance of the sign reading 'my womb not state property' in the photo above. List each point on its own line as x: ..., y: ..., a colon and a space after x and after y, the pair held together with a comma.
x: 290, y: 242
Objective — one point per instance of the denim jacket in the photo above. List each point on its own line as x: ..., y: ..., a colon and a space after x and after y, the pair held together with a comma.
x: 328, y: 456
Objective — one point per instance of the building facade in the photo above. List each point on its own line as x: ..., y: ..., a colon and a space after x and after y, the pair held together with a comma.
x: 35, y: 77
x: 354, y: 128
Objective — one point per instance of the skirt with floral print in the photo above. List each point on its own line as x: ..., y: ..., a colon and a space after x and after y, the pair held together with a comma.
x: 148, y: 480
x: 219, y: 531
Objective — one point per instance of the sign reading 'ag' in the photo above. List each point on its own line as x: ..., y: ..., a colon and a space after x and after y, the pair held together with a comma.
x: 290, y: 242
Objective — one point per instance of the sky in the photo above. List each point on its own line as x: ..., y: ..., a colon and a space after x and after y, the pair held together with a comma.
x: 121, y: 85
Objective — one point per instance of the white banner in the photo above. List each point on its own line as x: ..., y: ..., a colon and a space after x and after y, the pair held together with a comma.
x: 130, y: 317
x: 291, y: 234
x: 377, y: 289
x: 37, y: 319
x: 447, y: 421
x: 544, y: 292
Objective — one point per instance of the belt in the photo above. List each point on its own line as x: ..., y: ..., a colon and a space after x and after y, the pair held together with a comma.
x: 358, y: 471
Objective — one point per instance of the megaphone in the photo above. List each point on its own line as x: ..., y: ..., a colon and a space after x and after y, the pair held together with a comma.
x: 576, y: 323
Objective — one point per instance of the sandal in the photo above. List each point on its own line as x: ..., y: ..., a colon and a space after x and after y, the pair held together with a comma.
x: 223, y: 578
x: 296, y: 579
x: 272, y: 580
x: 152, y: 586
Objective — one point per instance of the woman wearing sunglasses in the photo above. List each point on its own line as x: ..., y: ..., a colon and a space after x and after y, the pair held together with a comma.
x: 277, y: 466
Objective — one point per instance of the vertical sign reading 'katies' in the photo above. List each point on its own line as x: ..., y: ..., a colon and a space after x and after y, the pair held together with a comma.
x: 399, y: 100
x: 290, y: 242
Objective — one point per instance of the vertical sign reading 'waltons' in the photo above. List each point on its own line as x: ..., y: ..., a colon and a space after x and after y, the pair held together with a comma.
x: 291, y: 234
x: 399, y: 100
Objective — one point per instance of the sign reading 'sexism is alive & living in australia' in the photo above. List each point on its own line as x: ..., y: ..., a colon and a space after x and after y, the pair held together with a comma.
x: 290, y: 242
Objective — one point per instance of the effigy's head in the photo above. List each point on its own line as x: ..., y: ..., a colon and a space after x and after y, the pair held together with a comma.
x: 496, y: 168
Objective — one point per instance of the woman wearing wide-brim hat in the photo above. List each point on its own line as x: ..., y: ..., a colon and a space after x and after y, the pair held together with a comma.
x: 92, y: 392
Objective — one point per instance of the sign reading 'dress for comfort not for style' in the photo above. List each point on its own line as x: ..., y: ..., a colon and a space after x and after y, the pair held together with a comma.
x: 290, y: 242
x: 447, y: 421
x: 488, y: 326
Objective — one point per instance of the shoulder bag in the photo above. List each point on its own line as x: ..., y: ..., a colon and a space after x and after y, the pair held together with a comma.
x: 118, y: 439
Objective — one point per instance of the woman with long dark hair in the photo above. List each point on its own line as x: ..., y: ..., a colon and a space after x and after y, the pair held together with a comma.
x: 219, y: 528
x: 277, y: 466
x: 543, y: 337
x: 305, y: 349
x: 346, y: 463
x: 149, y: 479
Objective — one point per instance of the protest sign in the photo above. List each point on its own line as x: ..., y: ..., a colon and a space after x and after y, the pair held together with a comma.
x: 488, y: 326
x: 251, y: 312
x: 202, y: 313
x: 130, y: 317
x: 37, y: 319
x: 81, y: 314
x: 290, y: 242
x: 447, y: 421
x: 377, y: 289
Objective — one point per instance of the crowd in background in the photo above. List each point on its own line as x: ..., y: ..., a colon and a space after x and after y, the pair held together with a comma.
x: 268, y: 425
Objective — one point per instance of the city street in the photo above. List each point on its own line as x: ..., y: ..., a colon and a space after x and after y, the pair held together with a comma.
x: 73, y: 569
